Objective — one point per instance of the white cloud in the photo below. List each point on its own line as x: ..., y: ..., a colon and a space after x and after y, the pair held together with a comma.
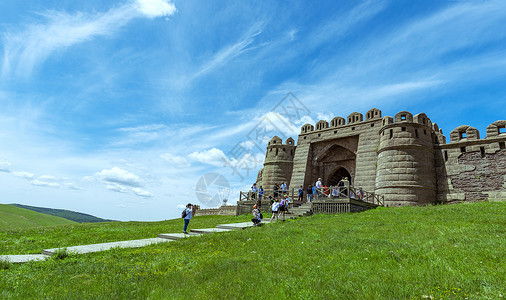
x: 226, y: 54
x: 178, y: 161
x: 116, y: 188
x: 26, y: 175
x: 72, y: 186
x: 273, y: 121
x: 45, y: 183
x: 142, y: 193
x: 119, y: 176
x: 247, y: 144
x: 156, y: 8
x: 327, y: 116
x: 47, y: 178
x: 5, y: 166
x: 213, y: 156
x: 25, y: 49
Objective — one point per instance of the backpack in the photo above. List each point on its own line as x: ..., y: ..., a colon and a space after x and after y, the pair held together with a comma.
x: 261, y: 216
x: 183, y: 215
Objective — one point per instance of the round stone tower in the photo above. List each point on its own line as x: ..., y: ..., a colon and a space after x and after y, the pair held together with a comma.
x: 278, y: 164
x: 405, y: 172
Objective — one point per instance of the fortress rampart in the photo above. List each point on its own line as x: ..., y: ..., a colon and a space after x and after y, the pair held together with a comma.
x: 405, y: 158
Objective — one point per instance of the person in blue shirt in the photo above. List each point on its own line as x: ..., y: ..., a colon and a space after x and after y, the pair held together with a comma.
x: 301, y: 194
x: 187, y: 218
x: 254, y: 190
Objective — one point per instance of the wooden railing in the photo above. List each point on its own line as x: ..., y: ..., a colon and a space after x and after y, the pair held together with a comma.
x: 250, y: 196
x: 332, y: 192
x: 349, y: 192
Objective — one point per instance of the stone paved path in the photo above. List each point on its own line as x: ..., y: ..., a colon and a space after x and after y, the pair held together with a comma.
x: 162, y: 238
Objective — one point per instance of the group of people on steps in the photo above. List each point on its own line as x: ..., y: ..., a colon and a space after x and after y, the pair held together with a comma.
x: 279, y: 203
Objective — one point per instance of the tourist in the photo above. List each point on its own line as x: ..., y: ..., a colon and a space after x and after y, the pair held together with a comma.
x: 256, y: 216
x: 335, y: 191
x: 283, y: 206
x: 309, y: 192
x: 318, y: 186
x: 274, y: 209
x: 360, y: 193
x: 301, y: 194
x: 346, y: 184
x: 276, y: 188
x: 314, y: 192
x: 326, y: 191
x: 188, y: 213
x: 254, y: 191
x: 260, y: 193
x: 340, y: 184
x: 284, y: 188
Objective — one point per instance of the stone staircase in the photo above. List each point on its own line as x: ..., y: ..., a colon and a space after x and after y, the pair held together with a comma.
x: 299, y: 210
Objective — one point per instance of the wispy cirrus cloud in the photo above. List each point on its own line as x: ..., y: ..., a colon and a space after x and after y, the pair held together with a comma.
x: 24, y: 50
x: 228, y: 53
x: 422, y: 56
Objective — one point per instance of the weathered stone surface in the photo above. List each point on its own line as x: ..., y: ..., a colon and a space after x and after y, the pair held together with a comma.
x: 404, y: 158
x: 16, y: 259
x: 106, y: 246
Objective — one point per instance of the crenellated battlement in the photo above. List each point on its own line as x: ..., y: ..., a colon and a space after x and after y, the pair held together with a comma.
x: 404, y: 158
x: 337, y: 121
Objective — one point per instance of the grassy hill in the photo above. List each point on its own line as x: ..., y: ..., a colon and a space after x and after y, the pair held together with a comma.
x: 14, y: 218
x: 66, y: 214
x: 433, y: 252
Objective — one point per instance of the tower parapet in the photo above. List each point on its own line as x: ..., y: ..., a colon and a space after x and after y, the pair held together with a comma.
x: 405, y: 171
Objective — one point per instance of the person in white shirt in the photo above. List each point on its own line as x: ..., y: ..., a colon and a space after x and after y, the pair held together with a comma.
x: 318, y: 187
x: 274, y: 209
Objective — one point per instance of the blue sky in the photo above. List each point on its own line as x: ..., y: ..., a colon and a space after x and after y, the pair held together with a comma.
x: 118, y: 108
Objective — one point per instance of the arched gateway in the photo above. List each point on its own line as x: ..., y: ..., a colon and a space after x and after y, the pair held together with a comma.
x: 337, y: 175
x: 332, y: 162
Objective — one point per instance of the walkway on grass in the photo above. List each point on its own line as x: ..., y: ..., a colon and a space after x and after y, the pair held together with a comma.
x: 162, y: 238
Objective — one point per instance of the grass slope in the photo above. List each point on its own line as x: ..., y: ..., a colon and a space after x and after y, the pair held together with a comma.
x: 434, y: 252
x: 14, y: 218
x: 66, y: 214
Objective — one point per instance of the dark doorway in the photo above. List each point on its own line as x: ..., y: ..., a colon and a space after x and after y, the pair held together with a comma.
x: 335, y: 177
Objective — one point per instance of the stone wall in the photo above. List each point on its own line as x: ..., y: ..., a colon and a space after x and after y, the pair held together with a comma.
x: 406, y: 168
x: 470, y: 169
x: 404, y: 158
x: 322, y: 151
x: 224, y: 210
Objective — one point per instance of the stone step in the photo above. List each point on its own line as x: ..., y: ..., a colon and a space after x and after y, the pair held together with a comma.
x: 106, y: 246
x: 236, y: 226
x: 177, y: 236
x: 17, y: 259
x: 209, y: 230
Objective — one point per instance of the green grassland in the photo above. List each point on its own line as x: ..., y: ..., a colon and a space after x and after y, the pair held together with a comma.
x: 66, y: 214
x: 18, y: 218
x: 432, y: 252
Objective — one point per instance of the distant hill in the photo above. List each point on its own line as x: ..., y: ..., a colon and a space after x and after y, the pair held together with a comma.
x: 12, y: 217
x: 66, y: 214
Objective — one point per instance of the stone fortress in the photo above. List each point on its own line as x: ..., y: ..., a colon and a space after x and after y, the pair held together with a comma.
x: 404, y: 158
